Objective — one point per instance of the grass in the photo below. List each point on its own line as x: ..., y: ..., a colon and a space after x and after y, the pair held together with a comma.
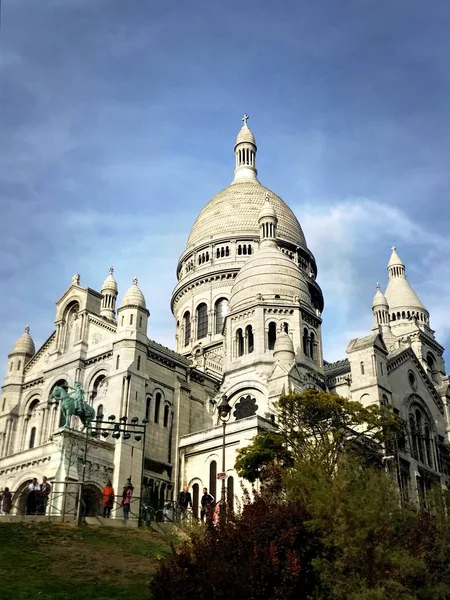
x: 64, y: 562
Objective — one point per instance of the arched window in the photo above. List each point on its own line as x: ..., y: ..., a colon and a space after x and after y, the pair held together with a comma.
x: 157, y: 406
x: 99, y: 415
x: 140, y: 322
x: 32, y: 437
x: 286, y: 327
x: 414, y: 437
x: 230, y: 494
x: 427, y: 442
x: 384, y: 401
x: 221, y: 309
x: 187, y: 328
x: 202, y: 321
x: 213, y: 478
x: 18, y: 365
x: 361, y: 365
x: 148, y: 407
x: 305, y: 340
x: 239, y: 342
x: 117, y: 361
x: 138, y: 366
x: 250, y: 339
x: 195, y: 499
x: 312, y: 348
x: 166, y: 416
x: 432, y: 366
x: 131, y: 319
x: 271, y: 335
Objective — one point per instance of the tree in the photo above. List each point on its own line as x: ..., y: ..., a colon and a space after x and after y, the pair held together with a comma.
x: 318, y: 427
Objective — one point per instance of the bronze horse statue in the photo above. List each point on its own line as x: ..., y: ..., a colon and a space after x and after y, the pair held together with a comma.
x: 73, y: 406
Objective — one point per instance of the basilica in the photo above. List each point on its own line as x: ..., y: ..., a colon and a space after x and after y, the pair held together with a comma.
x: 248, y: 327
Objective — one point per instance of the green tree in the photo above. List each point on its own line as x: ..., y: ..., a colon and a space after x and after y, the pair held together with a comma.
x: 318, y: 427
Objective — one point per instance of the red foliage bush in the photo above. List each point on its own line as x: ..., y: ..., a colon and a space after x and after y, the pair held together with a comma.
x: 265, y: 554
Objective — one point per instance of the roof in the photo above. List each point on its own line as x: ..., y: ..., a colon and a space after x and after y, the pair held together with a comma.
x: 245, y: 135
x: 374, y: 339
x: 339, y: 367
x: 235, y: 211
x: 168, y: 352
x: 25, y: 344
x: 133, y: 296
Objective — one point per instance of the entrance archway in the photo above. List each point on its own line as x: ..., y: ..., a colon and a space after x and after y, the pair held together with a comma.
x: 91, y: 500
x: 20, y: 499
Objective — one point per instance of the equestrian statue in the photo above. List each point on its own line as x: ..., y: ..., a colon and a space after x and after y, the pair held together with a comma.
x: 73, y: 404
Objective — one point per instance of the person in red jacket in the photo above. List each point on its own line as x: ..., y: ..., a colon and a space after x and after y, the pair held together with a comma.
x: 108, y: 499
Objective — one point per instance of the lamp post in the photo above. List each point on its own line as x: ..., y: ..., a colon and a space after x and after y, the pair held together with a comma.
x: 123, y: 428
x: 224, y: 413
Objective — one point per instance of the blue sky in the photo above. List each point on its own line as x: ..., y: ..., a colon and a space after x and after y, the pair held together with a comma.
x: 117, y: 124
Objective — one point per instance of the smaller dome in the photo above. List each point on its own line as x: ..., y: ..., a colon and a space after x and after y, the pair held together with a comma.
x: 379, y: 299
x: 270, y: 274
x: 245, y: 134
x: 267, y: 211
x: 134, y: 296
x: 24, y: 344
x: 283, y: 350
x: 110, y: 284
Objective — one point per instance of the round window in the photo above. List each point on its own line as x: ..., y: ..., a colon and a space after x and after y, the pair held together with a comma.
x: 412, y: 380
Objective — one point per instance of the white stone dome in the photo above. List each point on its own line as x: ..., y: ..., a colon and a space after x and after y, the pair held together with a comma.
x: 24, y: 344
x: 283, y: 350
x: 245, y: 135
x: 133, y: 296
x: 110, y: 283
x: 379, y: 298
x: 269, y: 273
x: 235, y: 211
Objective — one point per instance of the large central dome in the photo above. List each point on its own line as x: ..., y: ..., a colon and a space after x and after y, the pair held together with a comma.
x: 235, y: 210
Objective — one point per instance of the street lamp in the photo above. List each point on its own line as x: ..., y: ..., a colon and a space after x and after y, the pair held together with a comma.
x: 116, y: 429
x: 224, y: 413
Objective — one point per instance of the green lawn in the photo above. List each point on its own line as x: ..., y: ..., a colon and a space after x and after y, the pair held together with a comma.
x: 63, y: 562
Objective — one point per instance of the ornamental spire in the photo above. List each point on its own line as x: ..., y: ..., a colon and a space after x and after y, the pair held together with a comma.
x: 245, y: 151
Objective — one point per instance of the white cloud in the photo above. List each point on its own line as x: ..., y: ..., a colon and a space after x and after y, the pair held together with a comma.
x: 351, y: 241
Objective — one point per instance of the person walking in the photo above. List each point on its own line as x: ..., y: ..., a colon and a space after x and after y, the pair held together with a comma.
x: 42, y: 497
x: 185, y: 501
x: 33, y: 490
x: 207, y: 504
x: 108, y: 499
x: 127, y: 494
x: 6, y: 501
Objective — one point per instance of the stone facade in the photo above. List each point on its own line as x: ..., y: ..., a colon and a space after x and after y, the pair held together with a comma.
x: 248, y: 314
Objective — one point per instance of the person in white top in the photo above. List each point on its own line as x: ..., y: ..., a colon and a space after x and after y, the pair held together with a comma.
x: 33, y: 490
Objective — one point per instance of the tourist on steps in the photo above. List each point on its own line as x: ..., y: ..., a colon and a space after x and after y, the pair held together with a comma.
x: 126, y: 499
x: 108, y: 499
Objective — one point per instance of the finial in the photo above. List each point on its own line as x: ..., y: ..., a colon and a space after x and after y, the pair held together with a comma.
x: 393, y: 248
x: 135, y: 280
x: 27, y: 329
x: 245, y: 118
x: 76, y: 279
x: 378, y: 286
x: 111, y: 270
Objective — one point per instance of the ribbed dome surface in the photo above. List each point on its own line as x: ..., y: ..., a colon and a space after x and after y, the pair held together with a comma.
x: 284, y: 348
x: 235, y: 211
x: 269, y: 273
x: 25, y: 344
x: 133, y: 297
x: 379, y: 299
x: 245, y: 135
x: 110, y: 283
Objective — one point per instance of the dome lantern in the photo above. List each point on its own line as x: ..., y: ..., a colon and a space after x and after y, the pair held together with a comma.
x: 245, y: 151
x: 109, y: 292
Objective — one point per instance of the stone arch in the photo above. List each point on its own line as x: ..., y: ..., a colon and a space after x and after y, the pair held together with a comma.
x: 91, y: 499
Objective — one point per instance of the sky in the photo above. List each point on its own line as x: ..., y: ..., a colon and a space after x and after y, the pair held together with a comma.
x: 117, y: 125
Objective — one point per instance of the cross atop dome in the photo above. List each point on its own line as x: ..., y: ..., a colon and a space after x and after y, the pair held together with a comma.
x: 245, y: 118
